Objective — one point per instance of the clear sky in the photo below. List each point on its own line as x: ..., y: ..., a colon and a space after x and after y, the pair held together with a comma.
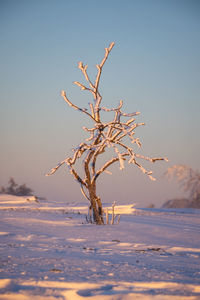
x: 154, y: 67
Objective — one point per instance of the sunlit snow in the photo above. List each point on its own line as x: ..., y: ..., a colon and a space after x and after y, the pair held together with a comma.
x: 49, y: 251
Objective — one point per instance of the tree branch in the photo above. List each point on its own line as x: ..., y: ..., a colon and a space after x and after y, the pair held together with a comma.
x: 84, y: 71
x: 53, y: 170
x: 106, y: 165
x: 97, y: 94
x: 75, y: 174
x: 99, y: 67
x: 63, y: 94
x: 84, y: 194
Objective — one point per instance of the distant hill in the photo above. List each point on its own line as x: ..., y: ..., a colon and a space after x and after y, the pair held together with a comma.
x: 182, y: 203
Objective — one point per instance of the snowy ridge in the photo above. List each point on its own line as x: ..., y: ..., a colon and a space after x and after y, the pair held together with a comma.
x: 48, y: 251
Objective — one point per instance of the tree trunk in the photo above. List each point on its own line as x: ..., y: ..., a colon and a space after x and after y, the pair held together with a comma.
x: 96, y: 206
x: 100, y: 209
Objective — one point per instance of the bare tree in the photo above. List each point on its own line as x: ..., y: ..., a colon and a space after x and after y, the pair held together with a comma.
x: 102, y: 136
x: 187, y: 178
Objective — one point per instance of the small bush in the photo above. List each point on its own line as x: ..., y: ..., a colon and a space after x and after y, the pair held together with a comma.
x: 14, y: 189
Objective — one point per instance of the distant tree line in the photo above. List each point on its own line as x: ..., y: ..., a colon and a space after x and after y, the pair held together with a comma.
x: 14, y: 189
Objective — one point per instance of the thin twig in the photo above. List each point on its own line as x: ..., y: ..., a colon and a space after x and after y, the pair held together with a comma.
x: 63, y: 94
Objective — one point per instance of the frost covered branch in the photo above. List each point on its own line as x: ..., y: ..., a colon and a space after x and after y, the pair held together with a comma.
x: 63, y: 94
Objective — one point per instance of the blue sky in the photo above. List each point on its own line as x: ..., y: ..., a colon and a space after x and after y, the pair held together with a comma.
x: 154, y: 67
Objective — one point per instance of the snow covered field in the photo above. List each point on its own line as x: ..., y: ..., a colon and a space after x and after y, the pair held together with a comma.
x: 48, y: 251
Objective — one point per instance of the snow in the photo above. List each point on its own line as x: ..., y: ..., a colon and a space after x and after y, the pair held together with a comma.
x: 48, y: 251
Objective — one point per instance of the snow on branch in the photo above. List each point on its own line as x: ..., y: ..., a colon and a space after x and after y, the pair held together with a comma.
x: 63, y: 94
x: 106, y: 165
x: 113, y: 109
x: 99, y: 67
x: 121, y: 159
x: 53, y: 170
x: 84, y: 71
x: 98, y: 97
x: 75, y: 174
